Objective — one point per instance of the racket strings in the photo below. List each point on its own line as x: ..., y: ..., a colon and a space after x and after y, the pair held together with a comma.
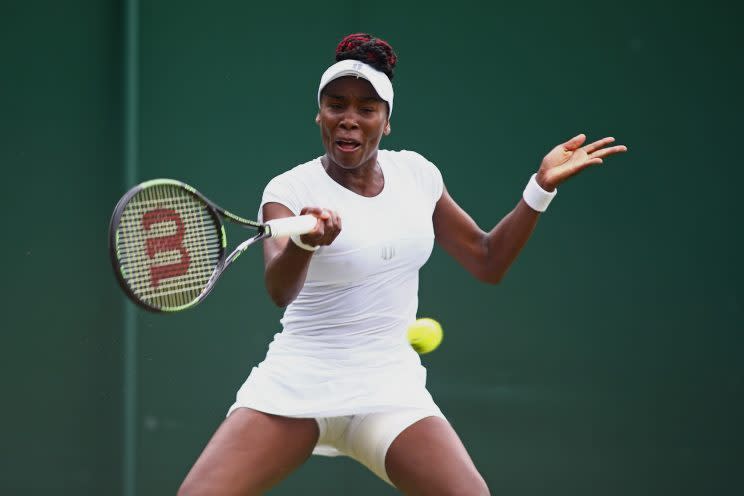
x: 210, y: 246
x: 168, y: 246
x: 180, y: 281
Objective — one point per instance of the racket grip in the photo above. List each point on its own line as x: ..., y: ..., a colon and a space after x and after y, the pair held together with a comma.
x: 288, y: 226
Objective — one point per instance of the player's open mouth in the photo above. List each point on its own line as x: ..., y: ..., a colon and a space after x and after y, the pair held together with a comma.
x: 347, y: 145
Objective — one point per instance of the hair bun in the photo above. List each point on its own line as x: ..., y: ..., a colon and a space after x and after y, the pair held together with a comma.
x: 368, y: 49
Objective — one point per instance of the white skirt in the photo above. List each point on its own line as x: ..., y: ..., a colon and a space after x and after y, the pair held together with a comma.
x: 309, y: 377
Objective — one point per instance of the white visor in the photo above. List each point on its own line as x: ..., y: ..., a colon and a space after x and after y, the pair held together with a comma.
x: 349, y: 67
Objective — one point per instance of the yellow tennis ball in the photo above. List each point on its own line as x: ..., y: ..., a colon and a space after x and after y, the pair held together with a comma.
x: 425, y: 335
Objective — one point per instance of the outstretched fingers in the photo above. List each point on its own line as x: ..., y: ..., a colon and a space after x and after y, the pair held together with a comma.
x: 569, y: 158
x: 574, y: 143
x: 592, y: 161
x: 606, y: 152
x: 592, y: 147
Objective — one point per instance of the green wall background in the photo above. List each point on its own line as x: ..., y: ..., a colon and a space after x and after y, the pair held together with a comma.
x: 608, y: 362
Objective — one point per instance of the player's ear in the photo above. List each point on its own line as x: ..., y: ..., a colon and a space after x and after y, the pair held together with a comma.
x: 317, y: 118
x: 387, y: 128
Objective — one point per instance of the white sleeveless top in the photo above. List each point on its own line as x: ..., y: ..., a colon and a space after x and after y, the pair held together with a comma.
x: 343, y: 349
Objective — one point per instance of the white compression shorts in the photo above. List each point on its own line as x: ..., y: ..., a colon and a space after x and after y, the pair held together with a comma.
x: 367, y: 437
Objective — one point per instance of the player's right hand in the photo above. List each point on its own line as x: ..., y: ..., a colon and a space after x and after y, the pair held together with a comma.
x: 327, y: 228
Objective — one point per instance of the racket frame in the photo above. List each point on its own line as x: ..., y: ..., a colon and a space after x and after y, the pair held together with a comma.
x: 216, y: 212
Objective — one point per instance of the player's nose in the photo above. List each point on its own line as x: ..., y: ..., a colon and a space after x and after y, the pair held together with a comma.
x: 348, y: 121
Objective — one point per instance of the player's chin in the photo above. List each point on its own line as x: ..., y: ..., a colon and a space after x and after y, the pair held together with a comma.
x: 349, y: 159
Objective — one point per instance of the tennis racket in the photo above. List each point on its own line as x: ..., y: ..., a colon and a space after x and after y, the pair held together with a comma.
x: 168, y: 243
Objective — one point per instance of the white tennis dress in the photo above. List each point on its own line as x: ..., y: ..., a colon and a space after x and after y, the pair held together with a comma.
x: 343, y: 349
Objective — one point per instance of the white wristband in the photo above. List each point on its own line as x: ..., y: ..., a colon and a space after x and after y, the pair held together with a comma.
x: 536, y: 197
x: 296, y: 240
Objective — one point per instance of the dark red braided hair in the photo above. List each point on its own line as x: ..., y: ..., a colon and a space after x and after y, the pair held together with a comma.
x: 368, y: 49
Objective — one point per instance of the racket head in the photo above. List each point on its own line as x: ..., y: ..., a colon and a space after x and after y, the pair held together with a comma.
x: 167, y: 245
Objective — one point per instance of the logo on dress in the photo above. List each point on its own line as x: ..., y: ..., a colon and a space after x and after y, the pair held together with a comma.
x: 387, y: 252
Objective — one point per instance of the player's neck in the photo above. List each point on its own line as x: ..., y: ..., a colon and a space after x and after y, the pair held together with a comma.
x: 366, y: 180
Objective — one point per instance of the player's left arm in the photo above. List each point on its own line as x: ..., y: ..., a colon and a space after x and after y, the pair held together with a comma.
x: 488, y: 255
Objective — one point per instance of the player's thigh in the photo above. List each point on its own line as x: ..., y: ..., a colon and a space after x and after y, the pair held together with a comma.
x: 428, y: 458
x: 250, y: 452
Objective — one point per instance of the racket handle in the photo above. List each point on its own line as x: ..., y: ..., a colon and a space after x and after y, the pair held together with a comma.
x: 288, y: 226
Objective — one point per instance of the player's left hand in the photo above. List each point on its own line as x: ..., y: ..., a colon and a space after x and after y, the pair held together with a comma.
x: 570, y: 158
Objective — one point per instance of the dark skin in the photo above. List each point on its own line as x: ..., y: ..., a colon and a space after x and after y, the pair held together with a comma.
x: 428, y: 457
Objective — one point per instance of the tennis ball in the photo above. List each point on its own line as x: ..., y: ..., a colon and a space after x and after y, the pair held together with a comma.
x: 425, y: 335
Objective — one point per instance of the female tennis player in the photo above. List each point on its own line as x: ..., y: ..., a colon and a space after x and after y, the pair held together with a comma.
x: 341, y: 378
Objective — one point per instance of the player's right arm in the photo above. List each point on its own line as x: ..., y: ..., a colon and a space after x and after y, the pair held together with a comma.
x: 285, y: 263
